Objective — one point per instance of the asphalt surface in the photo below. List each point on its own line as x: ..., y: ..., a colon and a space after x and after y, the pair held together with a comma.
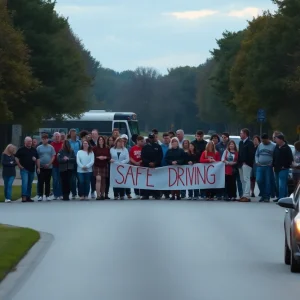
x: 157, y: 250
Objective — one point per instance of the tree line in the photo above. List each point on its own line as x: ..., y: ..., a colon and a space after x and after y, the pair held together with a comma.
x: 46, y: 71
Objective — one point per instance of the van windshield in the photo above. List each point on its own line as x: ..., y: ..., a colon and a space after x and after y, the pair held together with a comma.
x: 133, y: 127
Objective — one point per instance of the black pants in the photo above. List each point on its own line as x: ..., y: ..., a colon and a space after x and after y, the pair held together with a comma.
x: 148, y: 193
x: 66, y: 182
x: 107, y: 185
x: 44, y: 179
x: 93, y: 183
x: 119, y: 192
x: 230, y: 183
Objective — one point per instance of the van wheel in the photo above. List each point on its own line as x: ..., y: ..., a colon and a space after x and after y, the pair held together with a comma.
x: 287, y: 252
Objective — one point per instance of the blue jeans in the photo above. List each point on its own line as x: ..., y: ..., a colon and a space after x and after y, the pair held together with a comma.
x: 75, y: 183
x: 84, y: 183
x: 274, y: 191
x: 8, y: 182
x: 264, y: 179
x: 57, y: 191
x: 282, y: 183
x: 27, y: 179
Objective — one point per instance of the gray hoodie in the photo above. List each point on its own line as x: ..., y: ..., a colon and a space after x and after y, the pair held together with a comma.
x: 264, y: 154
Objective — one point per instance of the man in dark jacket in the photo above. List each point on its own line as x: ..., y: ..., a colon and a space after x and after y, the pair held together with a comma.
x: 282, y: 162
x: 199, y: 143
x: 245, y: 163
x: 222, y: 146
x: 152, y: 155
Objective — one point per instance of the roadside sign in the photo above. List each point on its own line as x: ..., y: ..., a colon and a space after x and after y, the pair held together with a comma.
x: 298, y: 129
x: 261, y: 115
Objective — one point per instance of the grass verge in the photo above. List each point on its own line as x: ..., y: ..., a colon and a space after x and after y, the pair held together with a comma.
x: 15, y: 242
x: 16, y: 192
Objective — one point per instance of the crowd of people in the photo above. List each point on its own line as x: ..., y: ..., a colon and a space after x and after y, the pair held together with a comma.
x: 79, y: 164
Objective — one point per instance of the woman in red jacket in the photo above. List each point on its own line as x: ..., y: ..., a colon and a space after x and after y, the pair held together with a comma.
x: 210, y: 155
x: 102, y: 157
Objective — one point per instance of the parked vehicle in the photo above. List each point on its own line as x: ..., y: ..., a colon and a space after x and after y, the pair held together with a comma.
x: 292, y: 230
x: 102, y: 120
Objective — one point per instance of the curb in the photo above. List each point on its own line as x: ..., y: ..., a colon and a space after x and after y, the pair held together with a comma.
x: 14, y: 281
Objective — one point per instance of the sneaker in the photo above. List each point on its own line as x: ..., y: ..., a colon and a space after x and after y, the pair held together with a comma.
x: 93, y: 196
x: 40, y: 198
x: 190, y: 198
x: 61, y: 198
x: 261, y: 199
x: 106, y: 197
x: 48, y: 199
x: 129, y: 197
x: 73, y: 197
x: 7, y: 201
x: 54, y: 198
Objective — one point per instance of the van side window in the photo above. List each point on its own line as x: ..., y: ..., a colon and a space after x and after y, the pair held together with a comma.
x: 121, y: 126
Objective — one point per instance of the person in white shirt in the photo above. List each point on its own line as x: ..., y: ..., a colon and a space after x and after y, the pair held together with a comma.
x: 180, y: 136
x: 119, y: 154
x: 85, y: 160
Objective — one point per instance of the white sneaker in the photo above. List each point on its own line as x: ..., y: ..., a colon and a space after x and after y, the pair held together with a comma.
x: 40, y: 198
x: 93, y: 196
x: 48, y: 199
x: 189, y: 198
x: 7, y: 201
x: 60, y: 198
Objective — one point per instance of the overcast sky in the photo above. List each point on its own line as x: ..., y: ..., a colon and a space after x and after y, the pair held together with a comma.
x: 125, y: 34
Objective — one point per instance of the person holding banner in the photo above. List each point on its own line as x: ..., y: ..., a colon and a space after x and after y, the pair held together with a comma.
x: 135, y: 156
x: 192, y: 159
x: 152, y: 156
x: 119, y: 154
x: 230, y: 157
x: 175, y: 156
x: 210, y: 155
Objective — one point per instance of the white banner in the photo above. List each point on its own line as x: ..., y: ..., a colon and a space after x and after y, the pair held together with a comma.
x: 197, y: 176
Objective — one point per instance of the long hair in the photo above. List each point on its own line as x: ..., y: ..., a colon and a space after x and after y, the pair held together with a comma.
x: 6, y: 150
x: 188, y: 144
x: 98, y: 142
x: 90, y: 149
x: 109, y: 138
x: 116, y: 142
x: 67, y: 146
x: 210, y: 147
x: 174, y: 139
x: 232, y: 142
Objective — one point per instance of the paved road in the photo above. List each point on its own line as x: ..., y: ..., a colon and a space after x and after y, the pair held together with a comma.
x: 162, y: 250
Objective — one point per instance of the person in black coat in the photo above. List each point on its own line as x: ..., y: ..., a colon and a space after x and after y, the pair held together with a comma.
x: 282, y: 162
x: 245, y: 163
x: 152, y: 156
x: 175, y: 156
